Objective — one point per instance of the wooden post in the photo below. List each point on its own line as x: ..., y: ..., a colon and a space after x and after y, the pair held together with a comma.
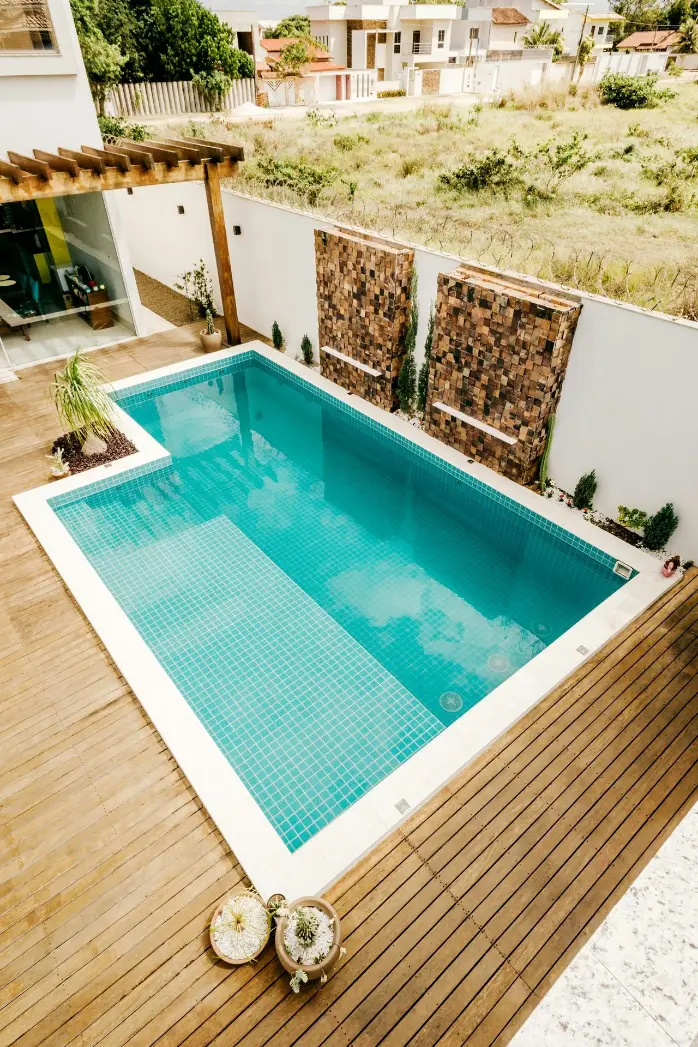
x: 220, y: 246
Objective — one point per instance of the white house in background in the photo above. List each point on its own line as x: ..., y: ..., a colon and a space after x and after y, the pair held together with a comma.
x: 581, y: 22
x: 391, y: 39
x: 48, y: 247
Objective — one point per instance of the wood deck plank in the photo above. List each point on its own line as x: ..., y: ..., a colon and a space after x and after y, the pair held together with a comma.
x: 456, y: 924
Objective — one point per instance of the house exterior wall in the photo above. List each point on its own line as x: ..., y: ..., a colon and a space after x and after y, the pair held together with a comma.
x: 45, y: 99
x: 625, y: 409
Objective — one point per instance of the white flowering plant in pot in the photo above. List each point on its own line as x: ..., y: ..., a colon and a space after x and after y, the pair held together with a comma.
x: 308, y: 940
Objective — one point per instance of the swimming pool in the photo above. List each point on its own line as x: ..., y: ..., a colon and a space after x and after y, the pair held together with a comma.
x: 325, y: 595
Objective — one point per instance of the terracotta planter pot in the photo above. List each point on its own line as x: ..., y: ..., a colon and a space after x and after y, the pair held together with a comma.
x: 313, y: 970
x: 214, y: 916
x: 211, y: 343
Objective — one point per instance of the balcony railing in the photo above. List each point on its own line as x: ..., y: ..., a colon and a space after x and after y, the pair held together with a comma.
x: 421, y: 49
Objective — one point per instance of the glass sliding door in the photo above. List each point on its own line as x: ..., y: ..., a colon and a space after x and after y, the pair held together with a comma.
x: 61, y: 284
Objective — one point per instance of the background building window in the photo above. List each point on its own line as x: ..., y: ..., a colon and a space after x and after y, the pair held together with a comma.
x: 25, y: 25
x: 441, y: 41
x: 397, y: 40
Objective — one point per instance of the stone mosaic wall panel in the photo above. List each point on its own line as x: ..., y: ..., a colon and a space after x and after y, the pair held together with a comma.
x: 363, y: 286
x: 499, y: 356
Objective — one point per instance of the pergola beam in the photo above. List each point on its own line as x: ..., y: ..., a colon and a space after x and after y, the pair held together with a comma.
x: 84, y: 161
x: 58, y: 163
x: 31, y: 165
x: 111, y: 157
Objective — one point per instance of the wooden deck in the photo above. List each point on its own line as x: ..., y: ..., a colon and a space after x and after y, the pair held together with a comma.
x: 455, y: 926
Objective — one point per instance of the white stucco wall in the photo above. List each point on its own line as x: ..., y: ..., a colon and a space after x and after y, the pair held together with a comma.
x: 45, y: 99
x: 628, y: 402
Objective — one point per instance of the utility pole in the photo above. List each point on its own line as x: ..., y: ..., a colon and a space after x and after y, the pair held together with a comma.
x: 579, y: 43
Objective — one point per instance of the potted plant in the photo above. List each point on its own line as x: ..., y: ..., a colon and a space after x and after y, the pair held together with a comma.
x: 83, y: 405
x: 210, y: 338
x: 308, y: 940
x: 59, y: 466
x: 240, y: 927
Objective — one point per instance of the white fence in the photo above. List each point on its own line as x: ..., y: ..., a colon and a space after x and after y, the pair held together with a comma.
x: 176, y: 96
x: 628, y: 402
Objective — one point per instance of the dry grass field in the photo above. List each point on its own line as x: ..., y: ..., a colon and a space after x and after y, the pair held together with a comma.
x: 626, y: 224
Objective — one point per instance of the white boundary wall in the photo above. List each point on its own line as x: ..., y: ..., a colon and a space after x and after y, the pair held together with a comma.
x: 628, y: 403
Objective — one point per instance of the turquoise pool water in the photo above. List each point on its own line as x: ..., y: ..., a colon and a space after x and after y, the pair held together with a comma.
x: 327, y: 597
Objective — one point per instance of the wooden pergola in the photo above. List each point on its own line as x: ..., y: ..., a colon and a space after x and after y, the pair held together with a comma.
x: 134, y: 165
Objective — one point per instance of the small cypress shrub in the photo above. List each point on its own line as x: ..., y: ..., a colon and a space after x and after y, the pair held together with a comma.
x: 543, y: 469
x: 407, y: 381
x: 660, y: 527
x: 423, y: 381
x: 307, y: 349
x: 583, y: 497
x: 277, y: 337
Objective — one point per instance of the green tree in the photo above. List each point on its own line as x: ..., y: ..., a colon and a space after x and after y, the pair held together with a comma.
x: 118, y: 21
x: 689, y: 32
x: 294, y: 25
x: 542, y: 35
x: 293, y: 57
x: 182, y: 37
x: 660, y: 527
x: 586, y: 46
x: 103, y: 61
x: 423, y: 380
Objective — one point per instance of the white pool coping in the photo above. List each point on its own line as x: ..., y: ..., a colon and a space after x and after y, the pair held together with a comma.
x: 330, y: 852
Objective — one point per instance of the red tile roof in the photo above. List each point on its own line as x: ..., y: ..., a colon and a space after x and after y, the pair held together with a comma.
x: 508, y: 16
x: 322, y: 61
x: 651, y: 40
x: 276, y: 46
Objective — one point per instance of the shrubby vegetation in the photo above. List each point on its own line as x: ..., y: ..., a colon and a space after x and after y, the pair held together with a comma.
x: 118, y: 127
x: 632, y: 92
x: 587, y: 195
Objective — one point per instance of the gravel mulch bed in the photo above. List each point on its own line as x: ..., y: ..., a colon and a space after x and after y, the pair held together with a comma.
x: 118, y: 446
x: 631, y: 537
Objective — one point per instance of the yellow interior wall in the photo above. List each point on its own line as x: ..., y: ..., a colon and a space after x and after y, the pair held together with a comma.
x: 54, y: 232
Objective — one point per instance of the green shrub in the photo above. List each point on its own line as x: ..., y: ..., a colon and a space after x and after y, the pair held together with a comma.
x: 391, y: 94
x: 410, y: 166
x: 543, y: 468
x: 493, y: 170
x: 660, y: 527
x: 407, y: 380
x: 302, y: 178
x: 307, y: 349
x: 635, y: 519
x: 344, y: 142
x: 631, y: 92
x: 212, y: 86
x: 423, y: 381
x: 277, y: 338
x: 583, y: 497
x: 116, y: 127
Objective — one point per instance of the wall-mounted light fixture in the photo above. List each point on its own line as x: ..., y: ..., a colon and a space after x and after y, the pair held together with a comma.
x: 180, y: 208
x: 237, y: 231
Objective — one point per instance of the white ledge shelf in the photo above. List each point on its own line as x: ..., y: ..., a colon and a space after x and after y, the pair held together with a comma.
x: 348, y: 360
x: 475, y: 422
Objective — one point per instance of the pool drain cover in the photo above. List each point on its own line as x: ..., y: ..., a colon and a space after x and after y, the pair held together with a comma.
x: 451, y: 701
x: 498, y: 663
